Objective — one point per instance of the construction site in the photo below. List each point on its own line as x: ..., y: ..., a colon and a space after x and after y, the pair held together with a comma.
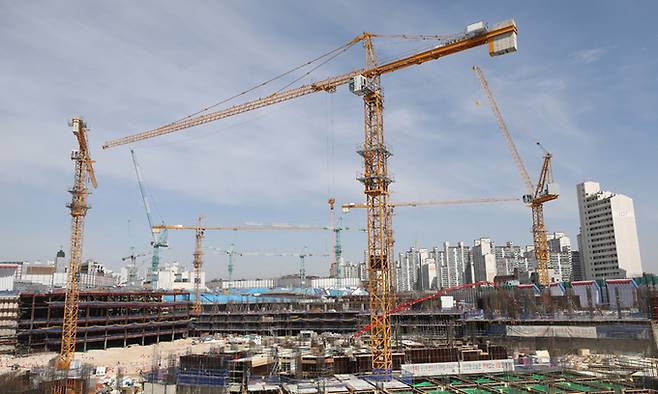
x: 70, y: 328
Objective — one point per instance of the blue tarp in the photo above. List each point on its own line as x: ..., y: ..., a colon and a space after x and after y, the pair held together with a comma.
x: 260, y: 295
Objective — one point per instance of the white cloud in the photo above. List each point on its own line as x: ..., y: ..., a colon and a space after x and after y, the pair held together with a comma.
x: 126, y: 68
x: 587, y: 56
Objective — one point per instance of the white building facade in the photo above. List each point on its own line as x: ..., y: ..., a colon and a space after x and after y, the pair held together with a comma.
x: 559, y: 250
x: 427, y: 277
x: 510, y: 257
x: 609, y: 246
x: 457, y: 261
x: 407, y: 270
x: 175, y: 277
x: 483, y: 260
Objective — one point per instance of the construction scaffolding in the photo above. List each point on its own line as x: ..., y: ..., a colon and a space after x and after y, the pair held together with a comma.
x: 8, y: 322
x: 106, y: 319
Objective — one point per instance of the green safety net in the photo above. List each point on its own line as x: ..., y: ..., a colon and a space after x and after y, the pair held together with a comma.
x: 423, y: 384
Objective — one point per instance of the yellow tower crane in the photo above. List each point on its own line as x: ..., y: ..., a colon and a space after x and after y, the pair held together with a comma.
x: 499, y: 38
x: 83, y: 174
x: 545, y: 190
x: 199, y: 232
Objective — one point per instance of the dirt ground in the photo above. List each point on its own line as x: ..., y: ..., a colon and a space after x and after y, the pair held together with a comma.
x: 133, y: 358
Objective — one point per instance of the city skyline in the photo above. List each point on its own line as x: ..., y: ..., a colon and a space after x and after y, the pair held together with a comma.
x: 281, y: 164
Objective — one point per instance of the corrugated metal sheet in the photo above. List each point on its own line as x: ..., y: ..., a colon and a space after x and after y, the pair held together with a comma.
x: 7, y: 279
x: 431, y: 369
x: 458, y: 368
x: 627, y: 292
x: 551, y: 331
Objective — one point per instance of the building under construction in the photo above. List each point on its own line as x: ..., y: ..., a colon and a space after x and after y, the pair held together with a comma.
x: 517, y: 318
x: 107, y: 319
x: 310, y: 363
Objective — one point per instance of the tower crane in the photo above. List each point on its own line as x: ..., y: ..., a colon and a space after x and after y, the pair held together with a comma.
x: 500, y: 39
x: 336, y: 228
x: 132, y: 268
x: 303, y: 254
x: 545, y: 190
x: 230, y: 252
x: 199, y: 232
x: 333, y: 268
x: 159, y: 239
x: 83, y: 174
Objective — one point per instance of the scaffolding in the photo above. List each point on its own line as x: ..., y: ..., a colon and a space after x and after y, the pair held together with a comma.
x: 106, y: 319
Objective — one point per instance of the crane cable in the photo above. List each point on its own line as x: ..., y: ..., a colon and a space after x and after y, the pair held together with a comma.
x: 331, y: 54
x: 335, y: 52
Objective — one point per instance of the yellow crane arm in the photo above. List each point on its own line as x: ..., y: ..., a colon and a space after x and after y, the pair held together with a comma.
x: 460, y: 43
x: 287, y: 227
x: 81, y: 135
x: 349, y: 206
x: 503, y: 129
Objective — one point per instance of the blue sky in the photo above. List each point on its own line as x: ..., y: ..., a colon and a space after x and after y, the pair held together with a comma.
x: 583, y: 82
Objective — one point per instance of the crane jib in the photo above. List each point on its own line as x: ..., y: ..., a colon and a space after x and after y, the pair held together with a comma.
x: 329, y: 84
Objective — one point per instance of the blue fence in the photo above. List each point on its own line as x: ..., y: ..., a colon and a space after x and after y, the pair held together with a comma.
x: 202, y: 380
x: 203, y: 377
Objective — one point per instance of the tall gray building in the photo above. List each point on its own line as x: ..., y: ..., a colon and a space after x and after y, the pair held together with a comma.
x: 510, y: 257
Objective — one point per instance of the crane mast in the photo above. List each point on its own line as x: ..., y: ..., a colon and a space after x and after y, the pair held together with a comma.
x: 333, y: 269
x: 500, y: 39
x: 376, y: 180
x: 302, y: 267
x: 83, y: 174
x: 230, y: 253
x: 542, y: 194
x: 198, y: 263
x: 337, y: 250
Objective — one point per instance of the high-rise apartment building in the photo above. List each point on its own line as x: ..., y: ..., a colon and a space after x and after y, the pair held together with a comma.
x: 510, y: 257
x: 609, y: 247
x: 559, y: 250
x: 457, y: 261
x: 483, y: 260
x: 427, y: 275
x: 439, y: 256
x: 576, y: 267
x: 407, y: 270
